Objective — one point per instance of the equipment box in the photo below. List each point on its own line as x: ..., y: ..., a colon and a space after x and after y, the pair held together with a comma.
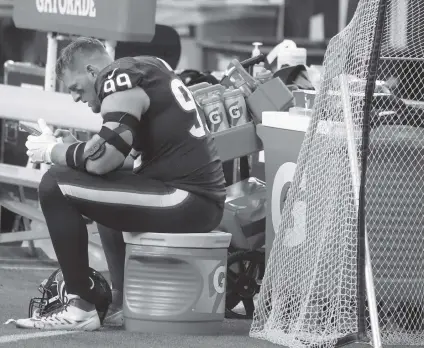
x: 237, y: 142
x: 12, y: 145
x: 26, y: 75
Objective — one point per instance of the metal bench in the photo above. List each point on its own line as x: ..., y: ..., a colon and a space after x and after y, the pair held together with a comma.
x: 58, y: 110
x: 34, y: 221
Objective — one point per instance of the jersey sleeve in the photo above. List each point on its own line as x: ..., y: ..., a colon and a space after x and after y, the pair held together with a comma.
x: 118, y: 77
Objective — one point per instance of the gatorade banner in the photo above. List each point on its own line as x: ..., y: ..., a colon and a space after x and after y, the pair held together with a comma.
x: 123, y: 20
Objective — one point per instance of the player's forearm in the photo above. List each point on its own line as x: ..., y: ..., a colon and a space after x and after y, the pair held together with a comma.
x: 58, y: 155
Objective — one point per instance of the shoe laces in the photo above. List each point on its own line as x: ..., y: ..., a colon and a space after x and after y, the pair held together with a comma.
x: 55, y: 312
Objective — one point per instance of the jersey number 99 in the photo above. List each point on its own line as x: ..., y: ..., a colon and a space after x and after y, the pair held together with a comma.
x: 185, y: 99
x: 121, y: 82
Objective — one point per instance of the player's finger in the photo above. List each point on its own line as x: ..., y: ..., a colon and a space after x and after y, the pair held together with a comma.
x: 44, y: 127
x: 31, y: 145
x: 29, y: 153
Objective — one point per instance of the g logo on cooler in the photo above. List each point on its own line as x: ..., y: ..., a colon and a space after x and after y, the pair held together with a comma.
x: 219, y: 280
x: 295, y: 235
x: 284, y: 175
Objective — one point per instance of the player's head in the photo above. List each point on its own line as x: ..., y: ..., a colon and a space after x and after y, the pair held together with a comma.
x: 78, y: 66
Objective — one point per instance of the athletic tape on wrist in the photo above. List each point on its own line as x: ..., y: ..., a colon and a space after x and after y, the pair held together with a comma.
x: 75, y: 155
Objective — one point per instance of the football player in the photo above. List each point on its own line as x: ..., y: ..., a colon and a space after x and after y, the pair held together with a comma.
x: 177, y: 185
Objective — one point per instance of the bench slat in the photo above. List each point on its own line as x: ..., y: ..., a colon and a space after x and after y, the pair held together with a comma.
x: 22, y: 209
x: 20, y: 176
x: 58, y: 109
x: 24, y: 236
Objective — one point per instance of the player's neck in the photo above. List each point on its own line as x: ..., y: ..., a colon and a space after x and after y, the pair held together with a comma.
x: 104, y: 63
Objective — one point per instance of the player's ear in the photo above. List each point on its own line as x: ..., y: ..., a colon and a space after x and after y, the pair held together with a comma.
x: 92, y: 70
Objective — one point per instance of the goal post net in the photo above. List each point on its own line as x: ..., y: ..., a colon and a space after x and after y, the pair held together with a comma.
x: 313, y: 293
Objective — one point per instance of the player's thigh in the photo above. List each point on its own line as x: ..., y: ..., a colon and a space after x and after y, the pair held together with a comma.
x: 193, y: 215
x: 129, y: 202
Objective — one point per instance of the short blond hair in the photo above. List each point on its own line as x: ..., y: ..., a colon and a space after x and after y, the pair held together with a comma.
x: 84, y: 45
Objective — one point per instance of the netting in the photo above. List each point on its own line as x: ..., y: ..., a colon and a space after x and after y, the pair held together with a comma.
x: 313, y: 291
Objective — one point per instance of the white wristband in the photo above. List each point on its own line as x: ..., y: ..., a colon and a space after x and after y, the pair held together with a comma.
x: 48, y: 153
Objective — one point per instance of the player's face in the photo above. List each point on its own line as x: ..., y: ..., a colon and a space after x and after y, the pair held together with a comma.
x: 81, y: 86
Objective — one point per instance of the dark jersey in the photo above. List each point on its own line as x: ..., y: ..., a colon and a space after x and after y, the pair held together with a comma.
x: 171, y: 137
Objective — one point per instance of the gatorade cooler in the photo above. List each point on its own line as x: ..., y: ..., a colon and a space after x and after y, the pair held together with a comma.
x: 175, y: 283
x: 282, y: 136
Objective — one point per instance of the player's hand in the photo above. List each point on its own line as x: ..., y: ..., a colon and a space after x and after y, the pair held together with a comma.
x: 66, y: 136
x: 40, y: 147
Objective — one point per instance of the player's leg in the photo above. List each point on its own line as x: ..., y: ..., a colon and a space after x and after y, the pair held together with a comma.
x: 121, y: 201
x: 79, y: 313
x: 114, y: 248
x: 124, y: 201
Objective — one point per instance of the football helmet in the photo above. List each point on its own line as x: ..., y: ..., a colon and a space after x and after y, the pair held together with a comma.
x: 193, y: 77
x: 53, y: 294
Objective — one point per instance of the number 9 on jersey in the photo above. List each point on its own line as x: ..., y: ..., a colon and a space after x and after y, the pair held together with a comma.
x: 185, y: 99
x: 121, y: 82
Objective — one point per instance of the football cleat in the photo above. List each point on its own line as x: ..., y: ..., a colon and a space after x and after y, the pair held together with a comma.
x: 74, y: 314
x: 53, y: 292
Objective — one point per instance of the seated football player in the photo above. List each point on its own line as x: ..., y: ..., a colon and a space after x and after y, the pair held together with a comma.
x: 177, y: 184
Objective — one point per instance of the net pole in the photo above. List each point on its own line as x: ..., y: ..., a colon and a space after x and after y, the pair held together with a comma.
x: 353, y: 158
x: 50, y: 73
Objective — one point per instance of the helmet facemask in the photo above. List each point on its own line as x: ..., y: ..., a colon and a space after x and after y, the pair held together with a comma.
x: 53, y: 294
